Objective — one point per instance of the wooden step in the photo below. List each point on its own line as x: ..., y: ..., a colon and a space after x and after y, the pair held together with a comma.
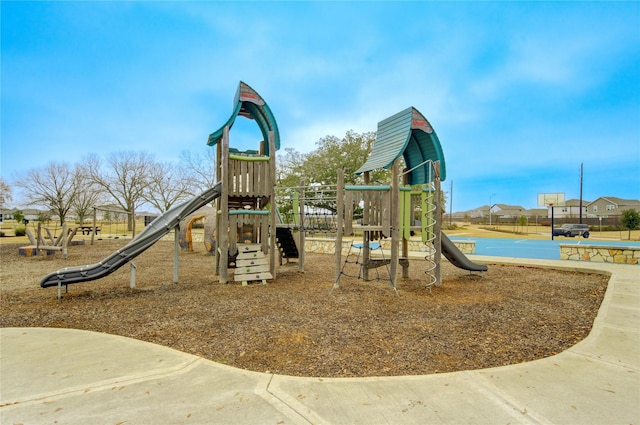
x: 251, y: 265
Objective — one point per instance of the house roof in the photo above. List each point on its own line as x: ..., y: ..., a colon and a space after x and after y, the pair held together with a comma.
x: 410, y: 135
x: 618, y: 201
x: 509, y: 207
x: 249, y: 104
x: 576, y: 203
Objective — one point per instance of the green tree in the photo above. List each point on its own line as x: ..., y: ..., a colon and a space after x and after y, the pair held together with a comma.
x: 348, y: 153
x: 631, y: 220
x: 290, y: 168
x: 18, y: 216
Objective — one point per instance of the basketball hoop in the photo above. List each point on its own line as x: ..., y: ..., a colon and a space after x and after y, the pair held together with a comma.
x: 551, y: 199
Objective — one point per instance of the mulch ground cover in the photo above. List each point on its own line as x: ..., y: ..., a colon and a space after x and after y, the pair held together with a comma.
x: 295, y: 325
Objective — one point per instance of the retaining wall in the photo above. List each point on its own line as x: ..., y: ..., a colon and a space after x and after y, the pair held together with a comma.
x: 600, y: 253
x: 328, y: 246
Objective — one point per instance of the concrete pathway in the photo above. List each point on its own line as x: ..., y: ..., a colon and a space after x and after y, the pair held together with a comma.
x: 68, y: 376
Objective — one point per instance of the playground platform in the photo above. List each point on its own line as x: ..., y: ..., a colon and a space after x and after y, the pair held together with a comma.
x: 79, y: 377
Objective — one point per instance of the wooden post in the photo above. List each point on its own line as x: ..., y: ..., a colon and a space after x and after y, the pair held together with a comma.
x: 405, y: 241
x: 366, y: 216
x: 340, y: 222
x: 218, y: 208
x: 271, y: 181
x: 38, y: 237
x: 437, y: 226
x: 65, y: 240
x: 132, y: 272
x: 223, y: 242
x: 176, y: 251
x: 133, y: 222
x: 395, y: 222
x: 301, y: 231
x: 94, y: 225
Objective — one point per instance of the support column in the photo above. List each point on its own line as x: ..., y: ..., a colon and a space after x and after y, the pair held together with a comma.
x: 272, y: 203
x: 366, y: 251
x: 94, y: 225
x: 217, y: 209
x: 340, y: 223
x: 132, y: 280
x: 395, y: 222
x: 437, y: 226
x: 301, y: 231
x: 405, y: 241
x: 222, y: 231
x: 65, y: 240
x: 176, y: 251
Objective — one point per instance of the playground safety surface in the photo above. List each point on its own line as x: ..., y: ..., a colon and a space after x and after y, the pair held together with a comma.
x: 78, y: 377
x: 73, y: 376
x: 293, y: 326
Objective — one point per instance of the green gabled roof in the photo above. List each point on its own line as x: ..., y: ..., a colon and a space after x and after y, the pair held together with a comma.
x: 407, y: 133
x: 248, y: 103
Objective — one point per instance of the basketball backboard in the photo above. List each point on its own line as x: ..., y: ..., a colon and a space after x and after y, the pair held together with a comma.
x: 551, y: 199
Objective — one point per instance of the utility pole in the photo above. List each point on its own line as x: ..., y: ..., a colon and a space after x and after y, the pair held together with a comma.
x: 581, y: 173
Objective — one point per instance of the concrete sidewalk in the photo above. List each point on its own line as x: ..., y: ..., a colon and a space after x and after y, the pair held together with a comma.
x: 76, y: 377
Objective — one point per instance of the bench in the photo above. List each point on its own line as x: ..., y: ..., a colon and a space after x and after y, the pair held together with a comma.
x: 86, y: 230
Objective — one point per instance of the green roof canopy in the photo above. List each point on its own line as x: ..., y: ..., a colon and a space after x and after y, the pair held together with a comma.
x: 249, y: 104
x: 407, y: 133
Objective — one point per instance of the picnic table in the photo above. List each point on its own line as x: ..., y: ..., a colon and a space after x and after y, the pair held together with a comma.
x: 86, y: 230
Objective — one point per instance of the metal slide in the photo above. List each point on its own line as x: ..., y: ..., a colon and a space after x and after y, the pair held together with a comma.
x: 457, y: 258
x: 150, y: 235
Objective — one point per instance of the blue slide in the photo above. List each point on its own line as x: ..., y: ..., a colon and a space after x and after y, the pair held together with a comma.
x: 457, y: 258
x: 150, y: 235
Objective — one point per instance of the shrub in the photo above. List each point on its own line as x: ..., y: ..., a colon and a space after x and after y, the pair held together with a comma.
x: 20, y: 231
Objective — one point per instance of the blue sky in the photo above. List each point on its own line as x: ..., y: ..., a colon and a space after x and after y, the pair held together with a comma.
x: 520, y: 93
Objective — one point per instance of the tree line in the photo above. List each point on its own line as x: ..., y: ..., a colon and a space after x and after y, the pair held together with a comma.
x: 125, y: 178
x: 130, y: 179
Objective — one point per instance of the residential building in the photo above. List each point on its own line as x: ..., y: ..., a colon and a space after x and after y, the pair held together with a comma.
x: 570, y: 209
x: 507, y: 211
x: 609, y: 206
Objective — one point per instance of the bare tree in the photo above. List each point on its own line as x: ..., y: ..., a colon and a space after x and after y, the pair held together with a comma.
x: 200, y: 169
x: 124, y: 176
x: 6, y: 195
x: 88, y: 195
x: 167, y: 185
x: 53, y: 186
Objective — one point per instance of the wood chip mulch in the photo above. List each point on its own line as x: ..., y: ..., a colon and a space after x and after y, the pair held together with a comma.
x: 295, y: 326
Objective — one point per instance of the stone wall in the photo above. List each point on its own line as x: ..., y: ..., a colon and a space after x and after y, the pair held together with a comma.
x: 328, y: 246
x: 600, y: 253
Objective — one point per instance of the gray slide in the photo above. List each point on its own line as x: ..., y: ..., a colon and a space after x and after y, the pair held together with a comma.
x: 457, y: 258
x: 150, y: 235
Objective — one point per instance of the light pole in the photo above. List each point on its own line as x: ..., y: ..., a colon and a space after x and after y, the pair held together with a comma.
x: 490, y: 206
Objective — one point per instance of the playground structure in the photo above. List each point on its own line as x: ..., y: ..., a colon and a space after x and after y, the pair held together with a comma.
x: 149, y: 236
x: 49, y: 244
x: 249, y: 232
x: 111, y: 217
x: 410, y: 204
x: 406, y: 137
x: 206, y: 215
x: 247, y: 207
